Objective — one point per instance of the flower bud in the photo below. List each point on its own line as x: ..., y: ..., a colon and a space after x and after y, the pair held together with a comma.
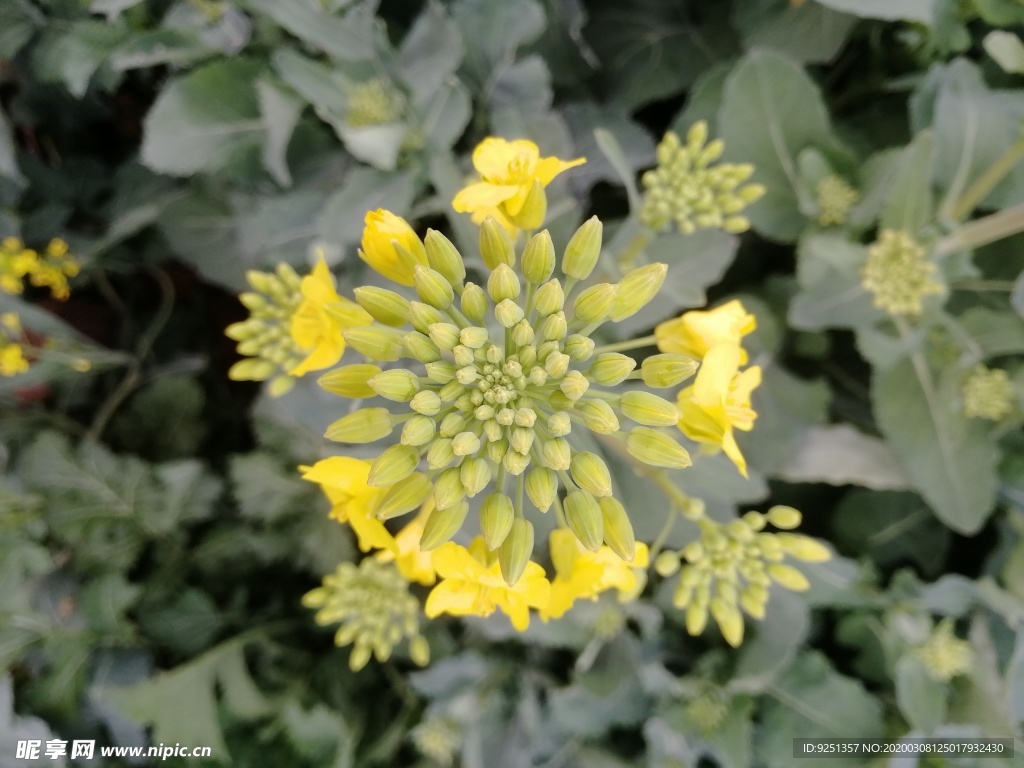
x: 473, y: 337
x: 362, y: 426
x: 550, y: 298
x: 493, y: 430
x: 782, y: 517
x: 522, y: 439
x: 591, y: 473
x: 696, y: 617
x: 452, y: 424
x: 398, y: 384
x: 662, y: 371
x: 729, y: 620
x: 440, y: 454
x: 559, y: 424
x: 451, y: 391
x: 539, y: 258
x: 535, y: 208
x: 610, y: 368
x: 448, y: 488
x: 496, y: 451
x: 503, y: 283
x: 496, y: 244
x: 666, y: 564
x: 419, y: 430
x: 657, y: 449
x: 542, y: 487
x: 496, y: 516
x: 595, y: 302
x: 350, y: 380
x: 599, y: 417
x: 465, y: 444
x: 463, y: 356
x: 394, y: 464
x: 422, y: 316
x: 578, y: 348
x: 442, y: 524
x: 420, y: 347
x: 445, y: 335
x: 433, y: 288
x: 444, y: 257
x: 803, y: 547
x: 383, y: 305
x: 508, y: 313
x: 376, y: 342
x: 403, y: 497
x: 648, y: 409
x: 618, y: 531
x: 636, y: 289
x: 788, y: 576
x: 556, y: 364
x: 583, y: 516
x: 515, y: 463
x: 574, y: 385
x: 441, y: 371
x: 754, y: 599
x: 474, y: 302
x: 583, y: 250
x: 515, y: 551
x: 523, y: 333
x: 554, y: 327
x: 556, y: 454
x: 527, y: 356
x: 475, y: 475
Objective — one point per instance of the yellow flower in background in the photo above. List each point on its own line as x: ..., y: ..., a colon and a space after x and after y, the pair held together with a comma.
x: 513, y: 177
x: 343, y: 481
x: 12, y: 359
x: 50, y: 269
x: 694, y: 333
x: 412, y: 562
x: 473, y: 585
x: 382, y: 232
x: 719, y: 402
x: 581, y: 574
x: 320, y: 318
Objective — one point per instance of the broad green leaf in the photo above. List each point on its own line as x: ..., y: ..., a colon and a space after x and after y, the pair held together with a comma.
x: 376, y: 145
x: 807, y: 32
x: 201, y: 229
x: 612, y: 151
x: 363, y: 190
x: 950, y: 458
x: 74, y: 55
x: 996, y: 333
x: 280, y: 111
x: 1007, y: 50
x: 445, y: 113
x: 771, y: 644
x: 348, y: 38
x: 105, y: 600
x: 112, y: 8
x: 321, y: 86
x: 174, y: 47
x: 203, y: 120
x: 187, y: 624
x: 633, y: 141
x: 704, y: 100
x: 921, y: 698
x: 492, y: 32
x: 431, y: 52
x: 524, y: 86
x: 923, y: 11
x: 19, y: 20
x: 831, y: 296
x: 910, y: 200
x: 840, y: 455
x: 1015, y: 679
x: 771, y: 111
x: 8, y: 152
x: 265, y: 490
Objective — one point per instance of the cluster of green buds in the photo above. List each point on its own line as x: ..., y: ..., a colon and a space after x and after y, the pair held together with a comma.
x: 438, y: 739
x: 511, y: 373
x: 898, y: 274
x: 690, y: 189
x: 835, y: 199
x: 376, y: 611
x: 265, y: 338
x: 731, y: 566
x: 988, y: 394
x: 943, y: 654
x: 373, y: 102
x: 707, y: 709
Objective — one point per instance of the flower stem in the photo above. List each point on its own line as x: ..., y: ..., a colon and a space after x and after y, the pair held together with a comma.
x: 621, y: 346
x: 988, y: 181
x: 982, y: 231
x: 627, y: 259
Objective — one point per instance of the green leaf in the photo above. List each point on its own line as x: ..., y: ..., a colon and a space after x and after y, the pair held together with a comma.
x: 377, y: 145
x: 493, y: 32
x: 187, y: 624
x: 704, y: 100
x: 362, y: 190
x: 920, y: 697
x: 8, y: 152
x: 321, y: 86
x: 807, y: 32
x: 624, y: 171
x: 280, y: 111
x: 633, y: 145
x: 831, y: 296
x: 445, y: 113
x: 910, y: 202
x: 1015, y: 679
x: 923, y: 11
x: 112, y: 8
x: 840, y: 455
x: 105, y: 600
x: 771, y: 111
x: 1007, y: 50
x: 74, y: 55
x: 431, y: 51
x: 18, y: 22
x: 996, y: 333
x: 774, y: 644
x: 265, y: 490
x: 950, y: 458
x: 203, y: 120
x: 347, y: 39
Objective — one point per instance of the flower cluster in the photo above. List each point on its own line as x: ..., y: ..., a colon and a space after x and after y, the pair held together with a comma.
x: 898, y: 274
x: 730, y: 567
x: 438, y: 739
x: 373, y: 102
x: 294, y: 326
x: 707, y: 709
x: 50, y: 269
x: 12, y: 354
x: 988, y: 394
x: 513, y: 176
x: 835, y: 199
x: 372, y: 603
x: 945, y: 655
x: 689, y: 189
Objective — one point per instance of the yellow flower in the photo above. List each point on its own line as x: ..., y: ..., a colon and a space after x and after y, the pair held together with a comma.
x: 694, y: 333
x: 719, y: 402
x: 343, y: 481
x: 511, y: 173
x: 473, y: 585
x: 412, y: 562
x: 320, y: 318
x: 383, y: 230
x: 12, y: 360
x: 581, y: 574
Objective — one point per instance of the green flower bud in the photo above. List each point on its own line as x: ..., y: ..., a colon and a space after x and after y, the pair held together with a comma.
x: 503, y: 283
x: 474, y: 302
x: 432, y: 287
x: 419, y: 430
x: 465, y: 444
x: 350, y: 380
x: 496, y: 516
x: 362, y: 426
x: 579, y: 348
x: 542, y: 487
x: 583, y: 250
x: 803, y: 548
x: 452, y: 424
x: 591, y: 473
x: 782, y: 517
x: 657, y: 449
x: 753, y: 600
x: 403, y: 497
x: 444, y: 257
x: 493, y: 430
x: 599, y: 417
x: 595, y: 302
x: 696, y: 617
x: 496, y: 244
x: 666, y: 564
x: 376, y: 342
x: 448, y: 488
x: 729, y: 619
x: 559, y: 401
x: 535, y: 207
x: 420, y: 347
x: 516, y: 550
x: 474, y: 337
x: 556, y: 454
x: 398, y: 384
x: 523, y: 333
x: 667, y: 370
x: 442, y: 524
x: 539, y: 258
x: 422, y: 316
x: 618, y: 531
x: 636, y: 290
x: 557, y: 364
x: 515, y: 463
x: 463, y: 355
x: 393, y: 465
x: 583, y: 516
x: 496, y: 451
x: 527, y: 356
x: 508, y: 313
x: 451, y: 391
x: 554, y: 327
x: 550, y: 298
x: 441, y: 371
x: 445, y: 335
x: 522, y: 439
x: 574, y: 385
x: 475, y: 475
x: 559, y: 424
x: 440, y: 454
x: 788, y: 576
x: 648, y: 409
x: 383, y: 305
x: 611, y: 368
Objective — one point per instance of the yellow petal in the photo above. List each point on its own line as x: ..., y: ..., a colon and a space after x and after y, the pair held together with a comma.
x: 732, y: 450
x: 493, y: 156
x: 716, y: 374
x: 341, y: 473
x: 549, y: 167
x: 456, y: 597
x: 482, y: 196
x: 452, y: 561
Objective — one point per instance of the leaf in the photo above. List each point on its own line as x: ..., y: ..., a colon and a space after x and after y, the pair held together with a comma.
x: 840, y: 455
x: 112, y: 8
x: 774, y: 644
x: 73, y: 56
x: 996, y: 333
x: 201, y: 121
x: 524, y: 86
x: 350, y: 38
x: 445, y: 113
x: 280, y: 111
x: 1007, y: 50
x: 493, y: 32
x: 200, y: 228
x: 362, y: 190
x: 910, y: 202
x: 187, y: 624
x: 831, y: 296
x: 771, y: 111
x: 105, y: 600
x: 1015, y: 679
x: 161, y: 46
x: 633, y: 148
x: 376, y: 145
x: 951, y: 459
x: 921, y: 698
x: 8, y: 151
x: 431, y: 51
x: 923, y: 11
x: 321, y: 86
x: 18, y: 22
x: 612, y: 151
x: 806, y: 32
x: 265, y: 491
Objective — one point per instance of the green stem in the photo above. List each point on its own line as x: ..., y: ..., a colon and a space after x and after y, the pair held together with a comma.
x: 520, y: 490
x: 983, y: 231
x: 984, y: 285
x: 627, y: 259
x: 988, y: 181
x: 622, y: 346
x: 659, y: 542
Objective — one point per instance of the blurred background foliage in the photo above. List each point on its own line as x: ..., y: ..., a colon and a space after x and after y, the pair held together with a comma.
x: 155, y: 538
